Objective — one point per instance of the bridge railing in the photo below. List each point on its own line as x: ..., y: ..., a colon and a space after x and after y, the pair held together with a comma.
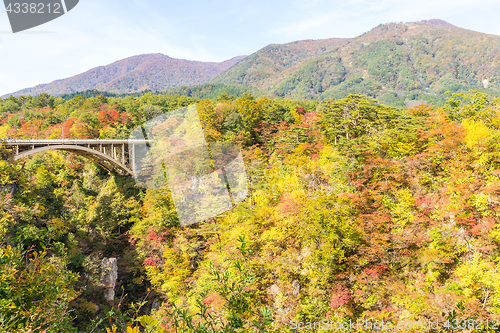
x: 74, y: 141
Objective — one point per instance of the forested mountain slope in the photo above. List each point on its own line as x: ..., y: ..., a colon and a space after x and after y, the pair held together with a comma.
x: 396, y: 62
x: 272, y: 64
x: 134, y: 74
x: 356, y: 211
x: 402, y: 64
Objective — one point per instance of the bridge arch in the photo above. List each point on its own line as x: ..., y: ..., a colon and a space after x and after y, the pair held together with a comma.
x: 98, y: 157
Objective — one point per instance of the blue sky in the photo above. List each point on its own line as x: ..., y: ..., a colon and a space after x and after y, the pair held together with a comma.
x: 97, y: 33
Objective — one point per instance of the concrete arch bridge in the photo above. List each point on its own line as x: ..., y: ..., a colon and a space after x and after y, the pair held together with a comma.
x: 113, y: 155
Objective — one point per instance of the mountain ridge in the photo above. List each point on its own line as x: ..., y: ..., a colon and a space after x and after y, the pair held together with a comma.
x: 393, y: 61
x: 154, y: 71
x: 399, y: 63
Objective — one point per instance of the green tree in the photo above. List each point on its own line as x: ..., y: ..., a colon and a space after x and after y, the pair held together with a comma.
x: 348, y: 118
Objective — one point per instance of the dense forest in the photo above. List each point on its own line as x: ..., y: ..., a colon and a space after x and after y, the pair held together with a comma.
x: 356, y: 211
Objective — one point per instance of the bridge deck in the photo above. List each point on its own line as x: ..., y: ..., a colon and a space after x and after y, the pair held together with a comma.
x: 72, y: 141
x: 113, y: 154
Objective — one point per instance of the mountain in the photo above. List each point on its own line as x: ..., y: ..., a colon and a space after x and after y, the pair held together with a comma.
x: 396, y: 62
x: 137, y: 73
x: 274, y: 63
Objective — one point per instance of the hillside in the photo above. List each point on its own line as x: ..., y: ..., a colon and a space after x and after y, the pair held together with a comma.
x: 143, y: 72
x: 356, y: 211
x: 272, y: 64
x: 394, y: 61
x: 401, y: 64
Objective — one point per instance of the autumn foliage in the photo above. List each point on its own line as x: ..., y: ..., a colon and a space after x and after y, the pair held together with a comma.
x: 355, y: 210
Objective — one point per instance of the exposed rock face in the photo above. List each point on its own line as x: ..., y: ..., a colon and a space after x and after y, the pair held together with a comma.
x: 156, y: 304
x: 10, y: 188
x: 295, y: 288
x: 279, y: 300
x: 109, y: 277
x: 285, y: 297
